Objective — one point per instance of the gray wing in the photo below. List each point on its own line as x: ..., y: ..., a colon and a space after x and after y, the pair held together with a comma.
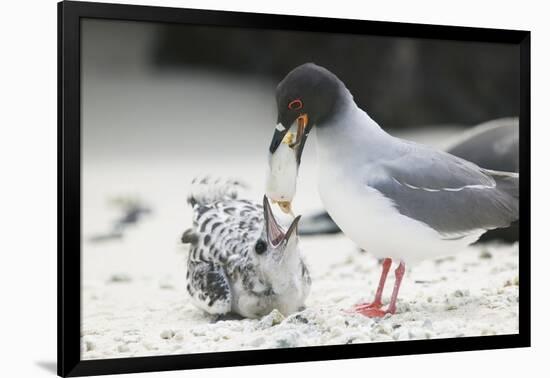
x: 451, y: 195
x: 208, y: 286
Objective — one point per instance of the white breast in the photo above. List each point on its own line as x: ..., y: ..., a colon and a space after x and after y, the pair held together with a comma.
x: 369, y: 218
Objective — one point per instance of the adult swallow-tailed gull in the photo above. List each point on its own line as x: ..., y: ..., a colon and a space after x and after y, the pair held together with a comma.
x: 396, y: 199
x: 241, y: 260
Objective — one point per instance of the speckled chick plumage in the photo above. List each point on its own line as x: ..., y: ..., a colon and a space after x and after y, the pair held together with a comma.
x: 235, y: 263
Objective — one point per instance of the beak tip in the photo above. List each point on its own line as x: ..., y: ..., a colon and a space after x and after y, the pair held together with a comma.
x: 295, y: 223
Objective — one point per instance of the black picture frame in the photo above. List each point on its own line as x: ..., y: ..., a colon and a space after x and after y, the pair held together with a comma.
x: 69, y: 158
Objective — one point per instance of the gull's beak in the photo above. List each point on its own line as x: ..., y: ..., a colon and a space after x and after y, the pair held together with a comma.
x: 280, y: 136
x: 275, y: 233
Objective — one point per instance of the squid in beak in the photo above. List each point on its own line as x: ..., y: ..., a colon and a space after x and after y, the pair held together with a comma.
x: 285, y: 156
x: 276, y: 235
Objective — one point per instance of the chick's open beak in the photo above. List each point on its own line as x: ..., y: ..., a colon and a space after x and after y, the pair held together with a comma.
x: 275, y: 233
x: 293, y: 229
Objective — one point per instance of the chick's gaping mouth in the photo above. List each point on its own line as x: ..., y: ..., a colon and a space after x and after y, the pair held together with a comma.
x: 275, y: 234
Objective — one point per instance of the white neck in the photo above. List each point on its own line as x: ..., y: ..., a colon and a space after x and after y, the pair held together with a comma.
x: 351, y: 131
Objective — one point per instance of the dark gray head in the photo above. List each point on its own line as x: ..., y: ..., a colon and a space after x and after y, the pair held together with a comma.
x: 309, y: 95
x: 308, y: 89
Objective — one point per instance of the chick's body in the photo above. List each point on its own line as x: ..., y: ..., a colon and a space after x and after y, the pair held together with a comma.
x: 235, y: 263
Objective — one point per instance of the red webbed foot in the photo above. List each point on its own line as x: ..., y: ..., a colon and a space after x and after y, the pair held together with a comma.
x: 362, y: 306
x: 373, y: 312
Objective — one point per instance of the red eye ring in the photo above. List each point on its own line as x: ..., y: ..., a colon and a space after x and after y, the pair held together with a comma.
x: 295, y: 104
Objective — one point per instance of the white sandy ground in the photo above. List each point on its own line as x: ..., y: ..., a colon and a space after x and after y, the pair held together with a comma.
x: 134, y: 301
x: 467, y: 296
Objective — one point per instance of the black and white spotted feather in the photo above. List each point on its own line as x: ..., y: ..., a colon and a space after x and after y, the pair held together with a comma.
x: 235, y: 263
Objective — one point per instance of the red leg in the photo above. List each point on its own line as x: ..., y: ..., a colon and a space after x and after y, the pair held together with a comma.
x: 399, y: 273
x: 377, y: 312
x: 377, y: 303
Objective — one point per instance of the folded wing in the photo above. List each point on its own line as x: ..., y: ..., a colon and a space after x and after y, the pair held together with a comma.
x: 449, y: 194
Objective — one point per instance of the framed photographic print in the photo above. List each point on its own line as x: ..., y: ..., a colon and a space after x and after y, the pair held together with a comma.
x: 239, y: 188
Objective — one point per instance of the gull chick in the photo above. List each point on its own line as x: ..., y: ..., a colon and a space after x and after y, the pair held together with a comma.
x: 241, y: 260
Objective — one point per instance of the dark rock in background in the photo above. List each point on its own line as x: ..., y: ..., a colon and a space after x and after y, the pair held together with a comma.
x: 401, y: 82
x: 131, y: 212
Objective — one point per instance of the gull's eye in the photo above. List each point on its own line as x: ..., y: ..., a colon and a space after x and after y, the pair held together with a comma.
x: 260, y: 247
x: 295, y: 104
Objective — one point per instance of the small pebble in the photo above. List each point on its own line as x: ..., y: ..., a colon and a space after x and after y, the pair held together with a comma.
x: 166, y: 285
x: 485, y: 254
x: 167, y: 334
x: 282, y: 343
x: 258, y: 342
x: 90, y: 345
x: 512, y: 282
x: 401, y: 335
x: 149, y: 346
x: 427, y: 324
x: 271, y: 319
x: 383, y: 329
x: 120, y: 278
